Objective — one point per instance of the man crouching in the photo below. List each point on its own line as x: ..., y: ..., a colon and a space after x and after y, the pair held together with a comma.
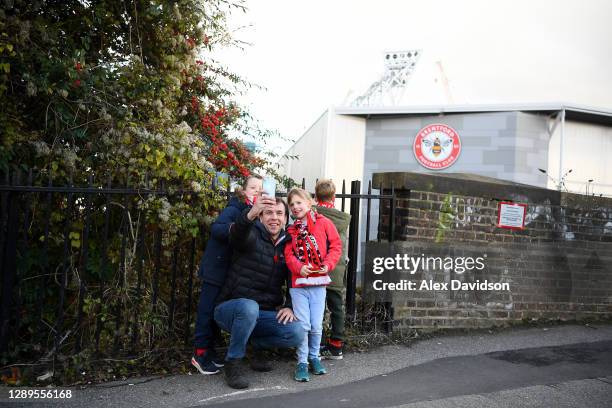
x: 252, y: 306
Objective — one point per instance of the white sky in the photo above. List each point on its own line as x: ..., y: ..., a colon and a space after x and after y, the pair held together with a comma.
x: 311, y: 54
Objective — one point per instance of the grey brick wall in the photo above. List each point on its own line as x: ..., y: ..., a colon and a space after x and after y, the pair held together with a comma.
x: 505, y: 145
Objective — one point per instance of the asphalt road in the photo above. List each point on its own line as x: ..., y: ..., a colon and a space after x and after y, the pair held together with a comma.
x: 560, y: 366
x: 458, y: 376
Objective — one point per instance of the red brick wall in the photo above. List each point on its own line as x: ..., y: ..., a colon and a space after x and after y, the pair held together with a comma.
x: 558, y: 267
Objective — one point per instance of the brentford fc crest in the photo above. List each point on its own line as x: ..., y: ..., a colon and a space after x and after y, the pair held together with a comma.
x: 437, y: 146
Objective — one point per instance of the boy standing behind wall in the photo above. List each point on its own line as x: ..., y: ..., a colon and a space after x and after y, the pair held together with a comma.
x: 325, y: 194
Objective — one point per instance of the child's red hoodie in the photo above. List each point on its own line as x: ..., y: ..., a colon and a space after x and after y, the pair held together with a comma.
x: 330, y: 248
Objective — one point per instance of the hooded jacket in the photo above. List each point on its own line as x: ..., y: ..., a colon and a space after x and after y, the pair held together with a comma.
x: 341, y: 221
x: 217, y: 255
x: 257, y: 270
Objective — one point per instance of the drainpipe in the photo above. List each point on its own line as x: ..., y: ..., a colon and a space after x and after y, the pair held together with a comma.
x: 561, y: 148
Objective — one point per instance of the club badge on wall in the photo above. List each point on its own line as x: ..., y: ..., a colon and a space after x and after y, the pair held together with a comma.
x: 437, y: 146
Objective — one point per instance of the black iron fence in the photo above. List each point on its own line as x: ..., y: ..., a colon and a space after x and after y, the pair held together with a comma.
x: 91, y: 266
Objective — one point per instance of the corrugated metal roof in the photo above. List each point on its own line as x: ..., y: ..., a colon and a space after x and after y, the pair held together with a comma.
x: 576, y: 112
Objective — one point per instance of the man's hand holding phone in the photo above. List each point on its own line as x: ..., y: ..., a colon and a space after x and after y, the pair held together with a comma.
x: 269, y: 187
x: 260, y: 204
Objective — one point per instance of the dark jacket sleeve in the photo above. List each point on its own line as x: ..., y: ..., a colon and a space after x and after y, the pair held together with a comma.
x: 220, y: 229
x: 242, y: 234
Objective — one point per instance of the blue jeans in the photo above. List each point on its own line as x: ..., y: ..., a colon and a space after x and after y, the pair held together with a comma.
x: 245, y: 322
x: 309, y: 307
x: 206, y: 330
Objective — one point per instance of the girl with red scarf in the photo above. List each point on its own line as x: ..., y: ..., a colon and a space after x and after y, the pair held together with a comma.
x: 314, y: 251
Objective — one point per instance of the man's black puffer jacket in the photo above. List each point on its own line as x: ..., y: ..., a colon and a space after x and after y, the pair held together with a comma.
x: 257, y: 269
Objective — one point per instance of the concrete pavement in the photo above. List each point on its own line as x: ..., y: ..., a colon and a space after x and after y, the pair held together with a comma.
x: 463, y: 376
x: 458, y: 370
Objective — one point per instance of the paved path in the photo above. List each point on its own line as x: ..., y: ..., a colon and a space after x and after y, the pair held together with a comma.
x: 557, y: 363
x: 465, y: 376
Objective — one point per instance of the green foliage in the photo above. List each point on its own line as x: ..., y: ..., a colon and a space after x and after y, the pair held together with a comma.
x: 445, y: 219
x: 118, y: 92
x: 89, y: 87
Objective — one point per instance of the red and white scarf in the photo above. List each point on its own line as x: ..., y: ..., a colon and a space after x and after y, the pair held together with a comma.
x: 306, y: 244
x: 250, y: 200
x: 325, y: 204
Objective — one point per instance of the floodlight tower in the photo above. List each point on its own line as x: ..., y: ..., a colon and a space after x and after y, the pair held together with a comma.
x: 390, y: 88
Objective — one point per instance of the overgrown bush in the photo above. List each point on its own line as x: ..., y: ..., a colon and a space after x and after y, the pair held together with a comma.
x: 114, y: 94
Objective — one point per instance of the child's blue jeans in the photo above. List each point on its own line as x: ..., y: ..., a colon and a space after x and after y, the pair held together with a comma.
x: 309, y: 307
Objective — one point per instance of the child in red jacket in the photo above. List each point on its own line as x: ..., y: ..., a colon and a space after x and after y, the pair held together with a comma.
x: 314, y: 251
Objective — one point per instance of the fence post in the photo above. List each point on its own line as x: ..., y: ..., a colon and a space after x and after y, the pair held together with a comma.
x: 353, y: 247
x: 392, y: 214
x: 367, y: 239
x: 175, y: 256
x: 83, y: 266
x: 228, y: 191
x: 157, y: 256
x: 59, y: 323
x: 120, y: 304
x: 44, y: 280
x: 140, y: 259
x: 388, y: 306
x: 103, y: 260
x: 192, y: 253
x: 4, y: 196
x: 380, y: 211
x: 9, y: 269
x: 343, y: 193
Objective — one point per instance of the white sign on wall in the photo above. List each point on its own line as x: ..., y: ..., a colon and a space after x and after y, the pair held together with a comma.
x: 511, y: 215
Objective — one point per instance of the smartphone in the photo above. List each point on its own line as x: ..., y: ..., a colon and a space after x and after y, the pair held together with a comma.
x: 269, y: 187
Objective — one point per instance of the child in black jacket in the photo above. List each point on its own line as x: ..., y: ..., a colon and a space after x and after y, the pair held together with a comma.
x: 213, y: 269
